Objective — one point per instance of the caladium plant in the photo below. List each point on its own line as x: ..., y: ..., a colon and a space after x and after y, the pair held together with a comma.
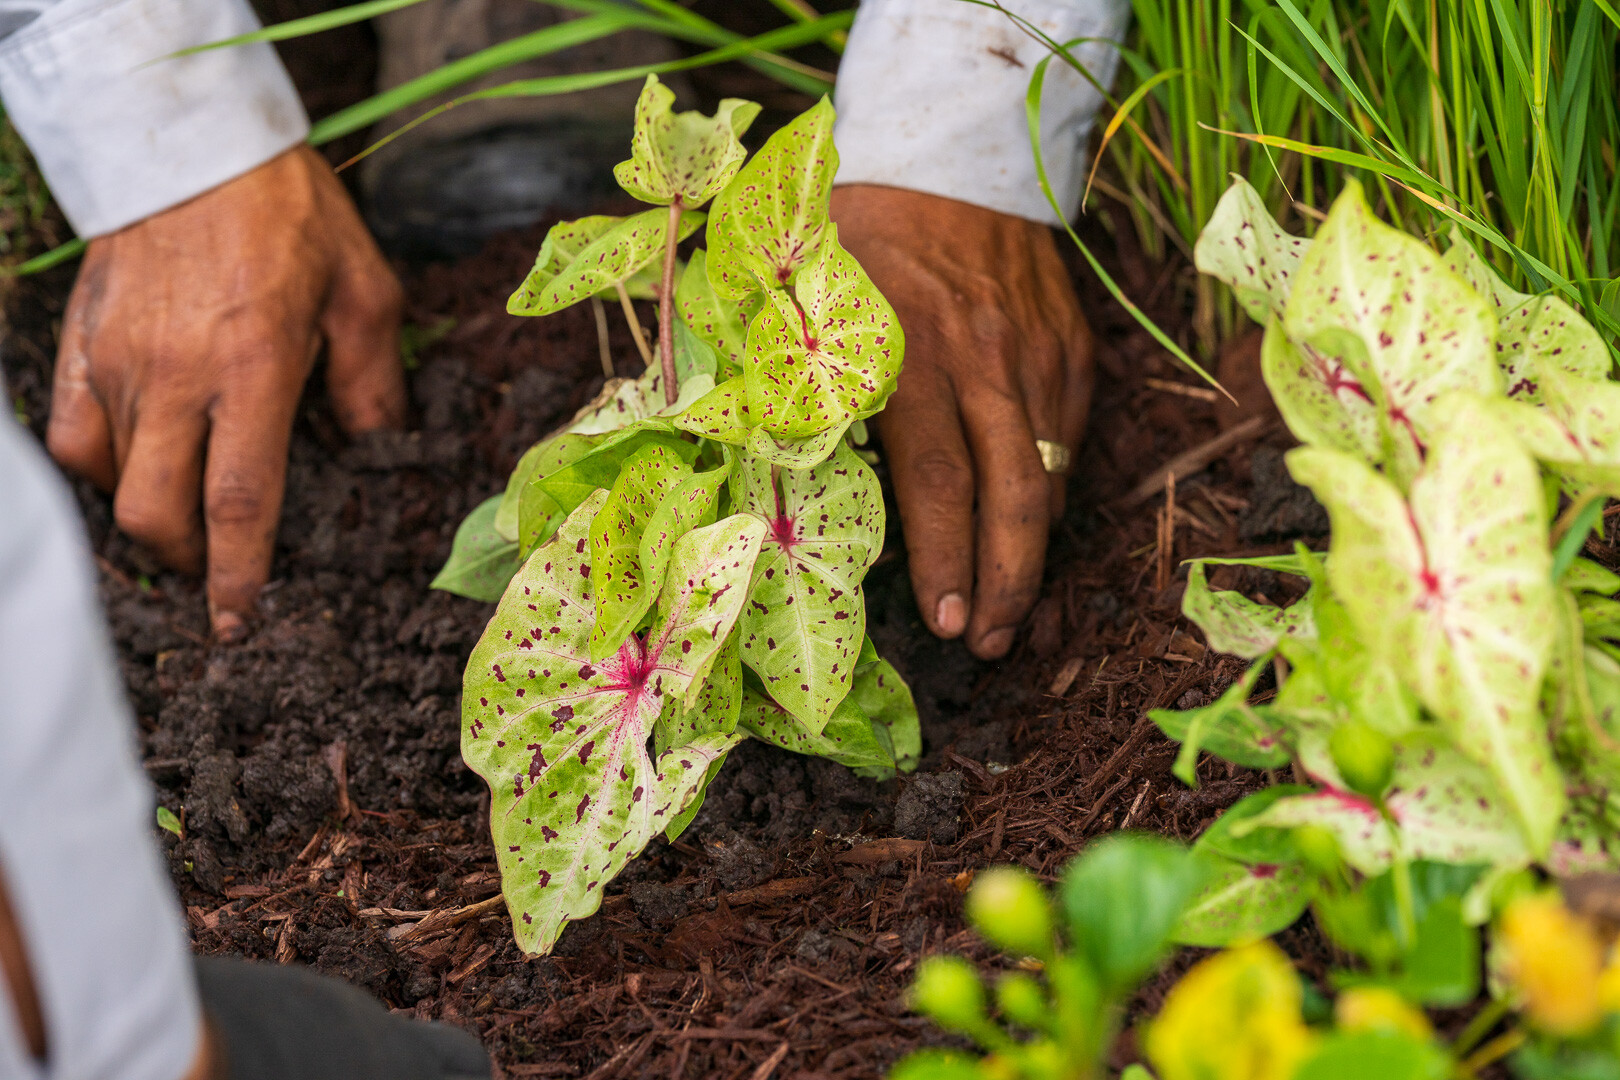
x: 1448, y: 684
x: 680, y: 567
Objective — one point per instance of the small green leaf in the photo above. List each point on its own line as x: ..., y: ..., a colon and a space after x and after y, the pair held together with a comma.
x: 481, y: 560
x: 1576, y: 433
x: 685, y: 156
x: 886, y: 699
x: 167, y: 821
x: 712, y: 320
x: 622, y: 590
x: 770, y: 218
x: 849, y: 736
x: 1232, y: 623
x: 1533, y: 333
x: 541, y: 459
x: 1256, y: 845
x: 806, y: 617
x: 826, y: 353
x: 1375, y: 1055
x: 1383, y: 305
x: 1244, y: 247
x: 1454, y: 592
x: 575, y: 482
x: 565, y: 273
x: 1123, y: 898
x: 1229, y: 728
x: 1241, y: 903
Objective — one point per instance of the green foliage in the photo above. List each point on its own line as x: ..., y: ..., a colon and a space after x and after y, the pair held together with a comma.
x: 685, y: 559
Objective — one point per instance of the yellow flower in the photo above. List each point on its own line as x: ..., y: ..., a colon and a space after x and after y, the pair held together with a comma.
x: 1379, y: 1009
x: 1554, y: 959
x: 1234, y: 1016
x: 1609, y: 984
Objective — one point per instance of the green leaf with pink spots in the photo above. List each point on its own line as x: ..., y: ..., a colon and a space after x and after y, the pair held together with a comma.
x: 622, y: 589
x: 826, y: 352
x: 1452, y: 589
x: 1322, y: 403
x: 622, y: 402
x: 582, y: 258
x: 562, y: 740
x: 849, y: 737
x: 1232, y: 623
x: 542, y: 459
x: 1228, y: 727
x: 770, y: 218
x: 1575, y: 432
x: 596, y: 470
x: 1241, y: 903
x: 1384, y: 306
x: 723, y: 415
x: 686, y: 155
x: 1245, y: 248
x: 806, y: 616
x: 1448, y: 809
x: 1534, y: 334
x: 716, y: 322
x: 886, y: 700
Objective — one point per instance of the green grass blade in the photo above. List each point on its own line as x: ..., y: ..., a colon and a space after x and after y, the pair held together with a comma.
x: 310, y: 24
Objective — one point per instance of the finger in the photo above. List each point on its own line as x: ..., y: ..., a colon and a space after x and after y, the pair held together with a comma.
x: 1013, y: 493
x: 242, y: 491
x: 160, y: 485
x: 365, y: 376
x: 933, y: 483
x: 78, y: 434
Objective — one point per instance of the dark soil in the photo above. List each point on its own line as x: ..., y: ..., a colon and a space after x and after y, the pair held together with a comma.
x: 329, y: 821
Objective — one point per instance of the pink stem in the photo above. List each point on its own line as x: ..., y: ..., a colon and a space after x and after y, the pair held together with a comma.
x: 666, y: 305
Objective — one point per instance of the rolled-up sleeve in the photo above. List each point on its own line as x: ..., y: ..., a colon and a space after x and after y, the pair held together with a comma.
x: 931, y: 97
x: 123, y: 129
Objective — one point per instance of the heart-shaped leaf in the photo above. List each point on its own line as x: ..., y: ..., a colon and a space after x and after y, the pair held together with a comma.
x: 542, y: 459
x: 849, y: 737
x: 885, y: 698
x: 481, y: 560
x: 715, y: 321
x: 564, y: 274
x: 623, y: 592
x: 770, y: 218
x: 622, y: 402
x: 1533, y: 333
x: 1320, y: 400
x: 577, y: 481
x: 1453, y: 590
x: 1244, y: 247
x: 1229, y: 728
x: 723, y: 415
x: 826, y: 353
x: 1575, y: 432
x: 806, y: 616
x: 1241, y: 903
x: 1385, y: 306
x: 685, y: 156
x: 1232, y: 623
x: 562, y: 740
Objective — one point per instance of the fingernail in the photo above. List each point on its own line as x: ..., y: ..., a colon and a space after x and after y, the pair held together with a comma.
x: 996, y: 642
x: 229, y: 627
x: 951, y: 615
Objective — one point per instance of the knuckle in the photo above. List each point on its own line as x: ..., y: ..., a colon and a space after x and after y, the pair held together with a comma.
x: 149, y: 522
x: 944, y: 476
x: 235, y: 501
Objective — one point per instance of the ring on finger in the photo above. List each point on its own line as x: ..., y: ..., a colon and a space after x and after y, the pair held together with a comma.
x: 1054, y: 455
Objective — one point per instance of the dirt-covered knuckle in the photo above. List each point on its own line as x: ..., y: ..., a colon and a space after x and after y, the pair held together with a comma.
x: 237, y: 500
x: 939, y: 478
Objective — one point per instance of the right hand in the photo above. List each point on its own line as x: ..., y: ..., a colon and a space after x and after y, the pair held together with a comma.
x: 185, y: 348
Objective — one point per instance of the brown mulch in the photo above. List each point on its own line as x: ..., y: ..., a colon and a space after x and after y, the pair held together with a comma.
x: 329, y: 821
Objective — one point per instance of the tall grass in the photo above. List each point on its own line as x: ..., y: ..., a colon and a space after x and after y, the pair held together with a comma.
x: 1498, y: 117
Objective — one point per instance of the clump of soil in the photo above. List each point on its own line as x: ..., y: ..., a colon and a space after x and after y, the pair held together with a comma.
x: 329, y: 821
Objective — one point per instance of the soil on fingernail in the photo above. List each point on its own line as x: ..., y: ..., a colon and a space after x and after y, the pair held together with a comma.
x: 755, y: 920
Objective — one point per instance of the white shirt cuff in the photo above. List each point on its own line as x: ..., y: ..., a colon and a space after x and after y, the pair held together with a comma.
x: 931, y: 97
x: 121, y: 133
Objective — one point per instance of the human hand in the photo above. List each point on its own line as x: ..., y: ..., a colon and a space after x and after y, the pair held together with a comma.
x: 997, y: 356
x: 184, y: 350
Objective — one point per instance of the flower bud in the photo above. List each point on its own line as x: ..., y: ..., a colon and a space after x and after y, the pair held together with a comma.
x: 1379, y: 1009
x: 1318, y: 849
x: 1022, y: 1001
x: 1364, y: 756
x: 949, y: 992
x: 1010, y: 909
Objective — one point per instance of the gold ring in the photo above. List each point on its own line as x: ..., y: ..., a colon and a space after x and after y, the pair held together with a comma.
x: 1054, y: 455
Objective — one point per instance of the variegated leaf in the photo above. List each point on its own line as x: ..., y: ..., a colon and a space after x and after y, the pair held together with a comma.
x: 615, y: 255
x: 562, y: 740
x: 622, y: 589
x: 849, y: 737
x: 806, y: 617
x: 1449, y: 809
x: 1322, y: 403
x: 826, y: 353
x: 621, y: 402
x: 1240, y: 903
x: 1453, y: 590
x: 1335, y: 677
x: 886, y: 699
x: 685, y: 156
x: 575, y: 482
x: 713, y: 320
x: 723, y: 415
x: 481, y: 560
x: 1232, y: 623
x: 1244, y: 247
x: 1228, y: 727
x: 769, y: 220
x: 1575, y: 432
x: 1383, y: 305
x: 541, y: 459
x: 691, y: 505
x: 1533, y: 333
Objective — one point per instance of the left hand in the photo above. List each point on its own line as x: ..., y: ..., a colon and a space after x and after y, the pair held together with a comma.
x: 998, y: 355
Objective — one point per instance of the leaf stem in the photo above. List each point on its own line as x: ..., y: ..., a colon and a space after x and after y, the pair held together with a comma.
x: 1493, y: 1051
x: 635, y: 325
x: 666, y: 305
x: 1479, y: 1027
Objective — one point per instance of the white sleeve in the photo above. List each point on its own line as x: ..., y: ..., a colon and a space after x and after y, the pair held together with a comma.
x: 119, y: 131
x: 99, y: 920
x: 931, y: 97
